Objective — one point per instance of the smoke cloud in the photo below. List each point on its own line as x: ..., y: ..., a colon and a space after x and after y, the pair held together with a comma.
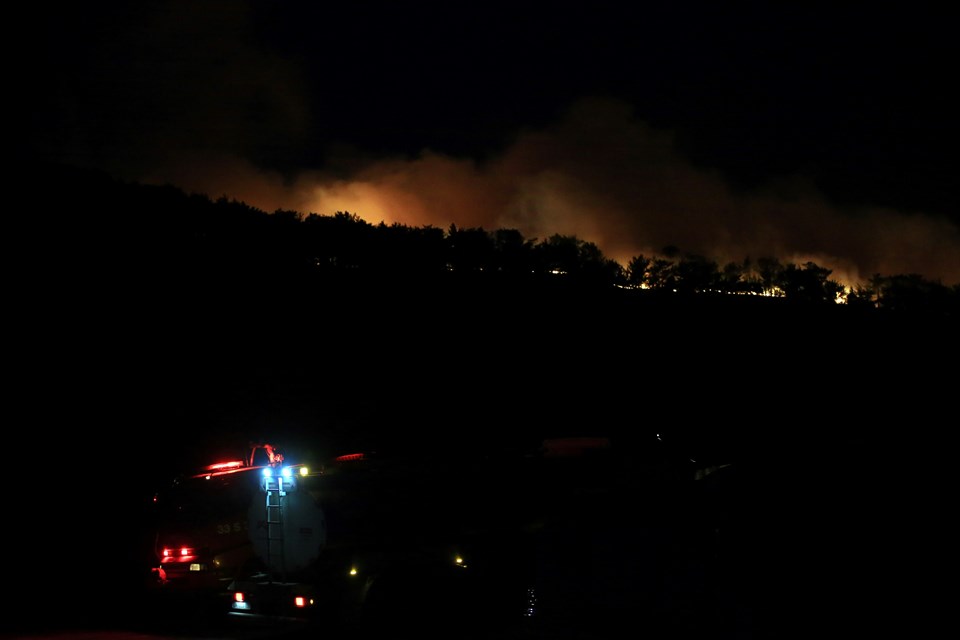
x: 206, y: 97
x: 606, y: 177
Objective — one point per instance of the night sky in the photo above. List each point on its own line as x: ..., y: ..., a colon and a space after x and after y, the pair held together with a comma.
x: 806, y: 131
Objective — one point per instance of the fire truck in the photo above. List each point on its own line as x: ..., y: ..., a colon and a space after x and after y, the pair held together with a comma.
x: 362, y: 540
x: 438, y: 544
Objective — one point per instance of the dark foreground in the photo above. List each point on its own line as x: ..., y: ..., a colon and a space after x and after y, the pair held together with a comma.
x: 834, y: 508
x: 576, y: 543
x: 781, y: 547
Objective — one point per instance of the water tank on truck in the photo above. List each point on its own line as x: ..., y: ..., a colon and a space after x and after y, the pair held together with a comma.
x: 218, y: 524
x: 286, y: 525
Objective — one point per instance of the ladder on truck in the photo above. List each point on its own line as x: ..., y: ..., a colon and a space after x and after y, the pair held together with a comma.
x: 275, y: 488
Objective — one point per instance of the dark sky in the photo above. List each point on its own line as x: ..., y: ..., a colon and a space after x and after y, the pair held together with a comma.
x: 804, y: 131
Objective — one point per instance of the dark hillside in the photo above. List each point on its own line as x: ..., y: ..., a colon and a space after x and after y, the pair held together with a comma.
x: 151, y: 328
x: 209, y: 314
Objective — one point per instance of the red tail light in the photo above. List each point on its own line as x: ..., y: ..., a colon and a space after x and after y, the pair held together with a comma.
x: 181, y: 552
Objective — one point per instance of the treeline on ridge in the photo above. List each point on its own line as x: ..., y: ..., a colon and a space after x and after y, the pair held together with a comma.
x: 153, y: 236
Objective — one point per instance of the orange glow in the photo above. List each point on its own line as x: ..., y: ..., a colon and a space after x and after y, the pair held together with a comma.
x: 572, y: 178
x: 300, y: 602
x: 238, y: 596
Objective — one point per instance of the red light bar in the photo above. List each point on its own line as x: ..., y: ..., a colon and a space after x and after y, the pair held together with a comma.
x: 349, y: 456
x: 220, y: 466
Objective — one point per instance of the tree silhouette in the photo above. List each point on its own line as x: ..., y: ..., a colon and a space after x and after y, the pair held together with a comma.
x: 165, y: 240
x: 662, y: 274
x: 470, y: 250
x: 637, y: 271
x: 808, y: 284
x: 512, y: 252
x: 696, y: 274
x: 769, y: 270
x: 338, y: 242
x: 862, y: 297
x: 915, y: 294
